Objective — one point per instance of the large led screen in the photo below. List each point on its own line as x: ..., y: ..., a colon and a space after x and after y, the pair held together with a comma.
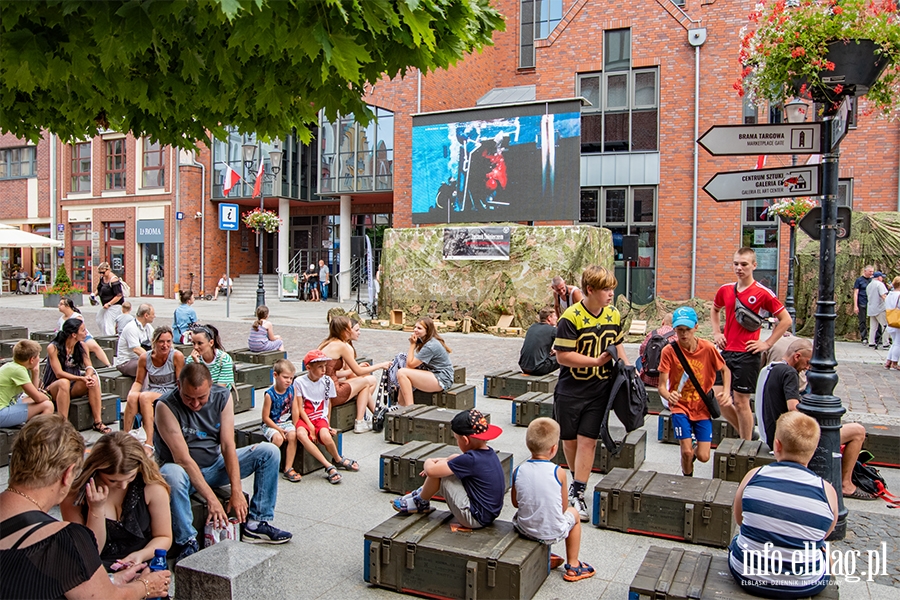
x: 510, y: 163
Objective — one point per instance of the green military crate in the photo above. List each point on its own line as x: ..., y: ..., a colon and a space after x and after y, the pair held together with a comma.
x: 691, y: 509
x: 259, y: 376
x: 7, y: 437
x: 242, y: 395
x: 110, y: 354
x: 343, y: 416
x: 114, y: 382
x: 304, y: 463
x: 200, y: 510
x: 80, y: 411
x: 883, y: 441
x: 654, y: 401
x: 43, y: 336
x: 734, y: 458
x: 422, y: 555
x: 421, y: 422
x: 531, y: 405
x: 494, y: 383
x: 185, y: 349
x: 459, y: 396
x: 459, y: 374
x: 257, y: 358
x: 6, y: 347
x: 108, y: 341
x: 248, y: 434
x: 633, y: 451
x: 400, y: 466
x: 721, y: 429
x: 679, y: 574
x: 13, y: 332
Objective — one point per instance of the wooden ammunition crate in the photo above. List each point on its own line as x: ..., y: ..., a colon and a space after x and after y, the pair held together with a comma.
x: 108, y: 341
x: 654, y: 402
x: 495, y: 382
x: 7, y: 437
x: 459, y: 396
x: 631, y: 456
x: 690, y: 509
x: 679, y: 574
x: 512, y: 384
x: 110, y: 354
x: 883, y: 441
x: 13, y: 332
x: 243, y: 399
x: 459, y: 374
x: 420, y: 554
x: 259, y: 376
x: 113, y: 382
x: 421, y: 422
x: 343, y: 417
x: 531, y: 405
x: 80, y: 411
x: 400, y: 466
x: 257, y: 358
x: 304, y: 463
x: 6, y: 347
x: 721, y: 429
x: 185, y: 349
x: 734, y: 458
x: 43, y: 336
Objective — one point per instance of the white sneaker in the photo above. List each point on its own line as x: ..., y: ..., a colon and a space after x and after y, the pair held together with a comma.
x: 578, y: 502
x: 362, y: 426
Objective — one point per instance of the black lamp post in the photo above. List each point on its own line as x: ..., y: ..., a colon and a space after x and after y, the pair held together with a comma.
x: 249, y: 154
x: 795, y: 111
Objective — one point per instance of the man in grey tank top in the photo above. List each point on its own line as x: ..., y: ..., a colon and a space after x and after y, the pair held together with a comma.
x: 194, y: 442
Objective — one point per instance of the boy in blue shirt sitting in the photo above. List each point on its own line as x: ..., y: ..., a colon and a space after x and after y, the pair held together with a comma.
x: 472, y: 483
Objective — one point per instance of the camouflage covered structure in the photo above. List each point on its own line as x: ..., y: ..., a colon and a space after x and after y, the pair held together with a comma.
x: 874, y: 240
x: 417, y: 279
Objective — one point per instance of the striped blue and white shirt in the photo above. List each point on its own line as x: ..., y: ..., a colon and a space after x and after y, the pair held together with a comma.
x: 786, y: 516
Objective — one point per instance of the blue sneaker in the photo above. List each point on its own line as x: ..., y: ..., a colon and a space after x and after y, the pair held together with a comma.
x: 264, y: 534
x: 189, y: 547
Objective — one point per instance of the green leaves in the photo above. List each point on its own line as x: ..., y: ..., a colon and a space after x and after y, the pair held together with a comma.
x: 177, y: 68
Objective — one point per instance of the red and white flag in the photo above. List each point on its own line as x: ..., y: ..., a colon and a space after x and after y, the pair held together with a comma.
x: 257, y: 187
x: 761, y: 161
x: 231, y: 178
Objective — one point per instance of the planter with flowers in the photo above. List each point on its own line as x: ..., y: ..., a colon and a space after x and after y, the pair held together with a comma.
x: 62, y: 288
x: 262, y: 220
x: 824, y: 50
x: 791, y: 210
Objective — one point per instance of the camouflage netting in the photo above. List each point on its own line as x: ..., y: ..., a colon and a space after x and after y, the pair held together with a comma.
x: 653, y: 312
x: 417, y: 280
x: 874, y: 240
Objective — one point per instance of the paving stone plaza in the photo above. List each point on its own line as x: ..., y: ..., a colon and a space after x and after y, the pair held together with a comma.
x: 326, y: 558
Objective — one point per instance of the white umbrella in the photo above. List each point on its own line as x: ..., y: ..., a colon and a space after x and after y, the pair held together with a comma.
x: 12, y: 237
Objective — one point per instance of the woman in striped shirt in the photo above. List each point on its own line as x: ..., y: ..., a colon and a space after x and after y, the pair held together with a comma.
x: 209, y: 351
x: 785, y: 512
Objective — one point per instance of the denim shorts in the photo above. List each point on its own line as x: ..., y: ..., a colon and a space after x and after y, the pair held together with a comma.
x: 14, y: 415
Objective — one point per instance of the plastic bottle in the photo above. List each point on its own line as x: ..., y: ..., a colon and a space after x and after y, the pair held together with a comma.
x: 158, y: 563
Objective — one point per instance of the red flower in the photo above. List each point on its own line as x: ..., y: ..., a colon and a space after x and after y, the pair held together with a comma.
x: 798, y: 51
x: 837, y: 10
x: 839, y: 88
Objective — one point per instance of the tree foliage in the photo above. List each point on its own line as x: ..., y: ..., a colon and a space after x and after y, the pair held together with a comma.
x: 172, y: 70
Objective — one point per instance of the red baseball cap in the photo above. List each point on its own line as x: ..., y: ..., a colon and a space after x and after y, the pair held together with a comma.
x: 471, y: 423
x: 314, y: 356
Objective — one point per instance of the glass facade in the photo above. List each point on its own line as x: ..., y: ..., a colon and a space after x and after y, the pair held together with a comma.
x: 355, y: 157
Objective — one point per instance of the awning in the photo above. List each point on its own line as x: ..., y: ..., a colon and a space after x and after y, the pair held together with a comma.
x: 12, y: 237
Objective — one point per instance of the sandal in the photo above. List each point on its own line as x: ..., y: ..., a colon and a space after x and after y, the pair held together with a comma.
x: 582, y: 571
x: 346, y: 464
x: 401, y: 504
x: 859, y: 494
x: 291, y: 475
x: 100, y: 428
x: 332, y: 475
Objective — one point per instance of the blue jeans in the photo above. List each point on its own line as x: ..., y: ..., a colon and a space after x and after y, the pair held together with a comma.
x: 263, y: 460
x: 324, y: 289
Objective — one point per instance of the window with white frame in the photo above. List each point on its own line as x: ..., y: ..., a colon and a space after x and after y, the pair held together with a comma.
x: 81, y: 167
x: 623, y: 115
x: 760, y: 232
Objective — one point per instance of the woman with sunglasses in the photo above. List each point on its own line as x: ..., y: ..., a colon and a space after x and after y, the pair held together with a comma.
x: 109, y: 291
x: 209, y: 351
x: 70, y: 311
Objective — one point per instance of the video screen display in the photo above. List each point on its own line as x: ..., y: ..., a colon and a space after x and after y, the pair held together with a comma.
x: 506, y: 163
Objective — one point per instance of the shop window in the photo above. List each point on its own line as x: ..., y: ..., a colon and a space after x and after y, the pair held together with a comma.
x: 152, y: 262
x: 115, y: 164
x: 154, y: 171
x: 760, y: 232
x: 18, y: 162
x: 81, y: 167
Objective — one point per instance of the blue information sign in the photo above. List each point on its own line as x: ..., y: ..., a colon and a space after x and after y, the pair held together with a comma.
x: 229, y: 216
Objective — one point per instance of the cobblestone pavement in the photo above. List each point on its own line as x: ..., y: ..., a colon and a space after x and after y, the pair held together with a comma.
x: 874, y: 532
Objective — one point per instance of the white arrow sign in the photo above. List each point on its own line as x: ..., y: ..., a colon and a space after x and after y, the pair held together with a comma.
x: 741, y: 140
x: 787, y: 182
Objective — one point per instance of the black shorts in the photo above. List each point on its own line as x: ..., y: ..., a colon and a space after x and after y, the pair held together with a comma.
x: 581, y: 416
x: 744, y: 367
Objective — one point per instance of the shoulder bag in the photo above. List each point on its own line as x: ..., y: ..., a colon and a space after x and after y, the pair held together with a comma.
x: 893, y: 315
x: 745, y: 317
x: 709, y: 398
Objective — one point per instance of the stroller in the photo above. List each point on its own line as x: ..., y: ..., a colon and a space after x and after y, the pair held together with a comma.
x: 388, y: 389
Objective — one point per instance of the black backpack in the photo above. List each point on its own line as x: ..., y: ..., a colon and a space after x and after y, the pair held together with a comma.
x: 627, y: 398
x: 653, y: 352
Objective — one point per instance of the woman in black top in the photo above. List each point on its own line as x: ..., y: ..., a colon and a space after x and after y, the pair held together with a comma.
x: 41, y: 557
x: 122, y: 497
x: 109, y: 291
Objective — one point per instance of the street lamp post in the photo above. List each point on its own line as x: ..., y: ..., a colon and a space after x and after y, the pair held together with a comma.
x: 795, y: 111
x: 249, y: 155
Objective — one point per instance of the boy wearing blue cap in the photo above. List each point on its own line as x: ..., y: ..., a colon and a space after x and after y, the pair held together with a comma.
x: 690, y: 416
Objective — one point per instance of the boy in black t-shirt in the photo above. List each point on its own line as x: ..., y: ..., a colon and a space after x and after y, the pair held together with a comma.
x: 585, y: 331
x: 472, y: 483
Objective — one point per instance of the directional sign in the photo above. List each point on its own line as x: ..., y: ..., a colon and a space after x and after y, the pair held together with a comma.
x: 840, y: 123
x: 228, y: 217
x: 741, y: 140
x: 786, y: 182
x: 812, y: 222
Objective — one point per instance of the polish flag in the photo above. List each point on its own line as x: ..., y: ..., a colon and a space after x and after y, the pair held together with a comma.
x: 231, y: 178
x: 761, y: 161
x: 257, y: 187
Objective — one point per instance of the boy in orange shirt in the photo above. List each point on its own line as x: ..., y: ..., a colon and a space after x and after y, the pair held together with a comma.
x: 690, y: 416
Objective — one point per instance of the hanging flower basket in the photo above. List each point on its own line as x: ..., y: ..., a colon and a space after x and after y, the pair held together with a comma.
x: 791, y: 209
x: 824, y: 50
x: 262, y: 220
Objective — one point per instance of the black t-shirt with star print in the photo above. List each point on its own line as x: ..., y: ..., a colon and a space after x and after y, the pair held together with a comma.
x: 580, y: 331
